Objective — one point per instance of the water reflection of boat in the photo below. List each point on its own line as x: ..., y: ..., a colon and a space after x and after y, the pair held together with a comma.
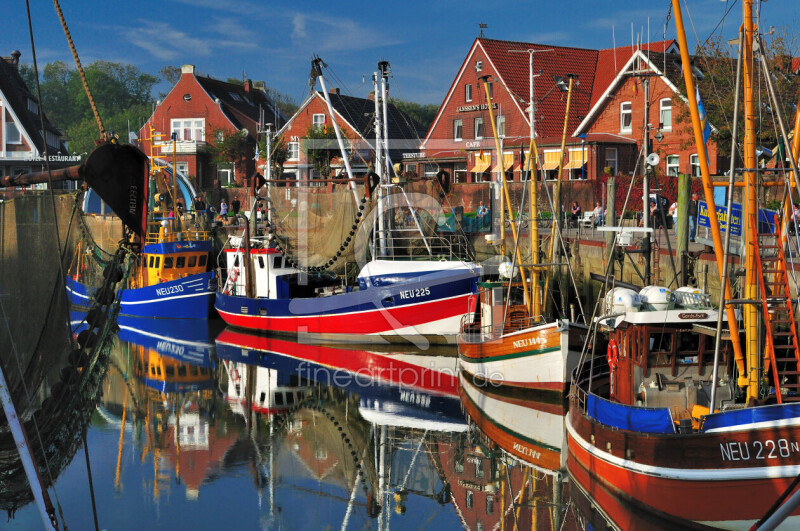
x: 395, y: 388
x: 530, y: 430
x: 188, y: 340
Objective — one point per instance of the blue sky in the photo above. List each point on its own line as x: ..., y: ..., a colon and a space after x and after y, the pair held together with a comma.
x: 425, y: 42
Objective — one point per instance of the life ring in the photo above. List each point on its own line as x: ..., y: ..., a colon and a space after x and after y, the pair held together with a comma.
x: 612, y: 355
x: 234, y: 275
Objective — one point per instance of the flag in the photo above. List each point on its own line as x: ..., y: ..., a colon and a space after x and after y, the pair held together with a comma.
x: 256, y: 156
x: 703, y: 119
x: 325, y: 126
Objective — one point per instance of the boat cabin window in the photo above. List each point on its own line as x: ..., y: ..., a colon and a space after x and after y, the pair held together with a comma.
x: 278, y: 399
x: 660, y: 342
x: 202, y: 261
x: 290, y: 398
x: 151, y: 261
x: 168, y: 262
x: 182, y: 370
x: 276, y: 261
x: 203, y: 370
x: 169, y: 370
x: 192, y: 261
x: 180, y: 261
x: 236, y: 261
x: 193, y: 370
x: 262, y: 397
x: 158, y: 262
x: 261, y: 262
x: 688, y: 342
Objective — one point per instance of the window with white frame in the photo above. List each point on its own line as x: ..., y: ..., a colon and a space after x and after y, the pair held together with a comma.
x: 478, y: 66
x: 625, y: 118
x: 460, y: 172
x: 12, y: 134
x: 501, y: 126
x: 611, y: 160
x: 225, y: 176
x: 294, y: 151
x: 673, y: 164
x: 318, y: 121
x: 458, y: 129
x: 468, y: 92
x: 478, y: 128
x: 182, y: 168
x: 665, y: 114
x: 694, y: 162
x: 189, y: 129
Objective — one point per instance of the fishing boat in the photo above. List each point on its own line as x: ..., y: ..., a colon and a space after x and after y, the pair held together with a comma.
x: 682, y: 417
x: 504, y: 338
x: 173, y: 276
x: 398, y: 297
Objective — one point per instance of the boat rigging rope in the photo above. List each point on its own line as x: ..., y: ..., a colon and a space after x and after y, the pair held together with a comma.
x: 103, y: 134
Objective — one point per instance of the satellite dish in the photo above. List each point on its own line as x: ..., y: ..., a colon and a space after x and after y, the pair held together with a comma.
x: 653, y: 159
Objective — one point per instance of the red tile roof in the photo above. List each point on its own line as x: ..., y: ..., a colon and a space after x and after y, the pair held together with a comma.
x: 596, y: 69
x: 611, y: 60
x: 558, y: 61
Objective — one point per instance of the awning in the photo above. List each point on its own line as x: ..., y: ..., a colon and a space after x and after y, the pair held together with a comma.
x: 574, y: 164
x: 551, y: 160
x: 508, y: 163
x: 480, y: 167
x: 482, y: 163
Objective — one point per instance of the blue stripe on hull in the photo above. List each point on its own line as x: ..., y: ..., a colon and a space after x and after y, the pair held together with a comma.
x: 433, y: 287
x: 191, y: 297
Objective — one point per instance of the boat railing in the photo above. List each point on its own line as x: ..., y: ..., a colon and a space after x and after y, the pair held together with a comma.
x: 157, y: 236
x: 408, y: 244
x: 473, y: 332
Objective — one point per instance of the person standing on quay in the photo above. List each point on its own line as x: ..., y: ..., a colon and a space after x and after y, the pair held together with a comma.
x: 223, y: 209
x: 693, y: 217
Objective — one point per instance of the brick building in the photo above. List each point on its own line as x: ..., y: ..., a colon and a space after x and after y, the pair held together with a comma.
x: 460, y: 139
x: 194, y: 110
x: 620, y: 111
x: 355, y: 117
x: 22, y: 143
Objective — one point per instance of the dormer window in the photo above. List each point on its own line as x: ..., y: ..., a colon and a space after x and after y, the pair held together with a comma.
x: 33, y: 106
x: 12, y: 134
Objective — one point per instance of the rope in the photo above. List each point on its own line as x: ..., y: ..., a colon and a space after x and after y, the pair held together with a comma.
x: 103, y: 134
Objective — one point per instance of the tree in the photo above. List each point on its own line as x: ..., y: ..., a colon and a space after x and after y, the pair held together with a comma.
x: 320, y: 147
x: 422, y: 114
x: 717, y: 90
x: 230, y: 147
x: 170, y: 74
x: 121, y: 92
x: 279, y: 155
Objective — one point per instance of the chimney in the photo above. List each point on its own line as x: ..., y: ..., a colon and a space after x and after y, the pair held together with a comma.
x: 15, y: 58
x: 187, y: 69
x: 248, y: 85
x: 371, y: 95
x: 334, y: 90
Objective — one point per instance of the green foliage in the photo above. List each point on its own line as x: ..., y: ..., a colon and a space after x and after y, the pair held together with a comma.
x: 422, y: 114
x: 229, y: 147
x: 717, y: 61
x: 320, y: 147
x: 121, y: 93
x: 280, y: 153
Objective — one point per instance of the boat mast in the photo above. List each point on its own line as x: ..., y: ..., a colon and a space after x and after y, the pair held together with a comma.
x: 501, y: 166
x: 708, y: 189
x: 383, y: 68
x: 750, y: 207
x: 379, y: 166
x: 316, y: 73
